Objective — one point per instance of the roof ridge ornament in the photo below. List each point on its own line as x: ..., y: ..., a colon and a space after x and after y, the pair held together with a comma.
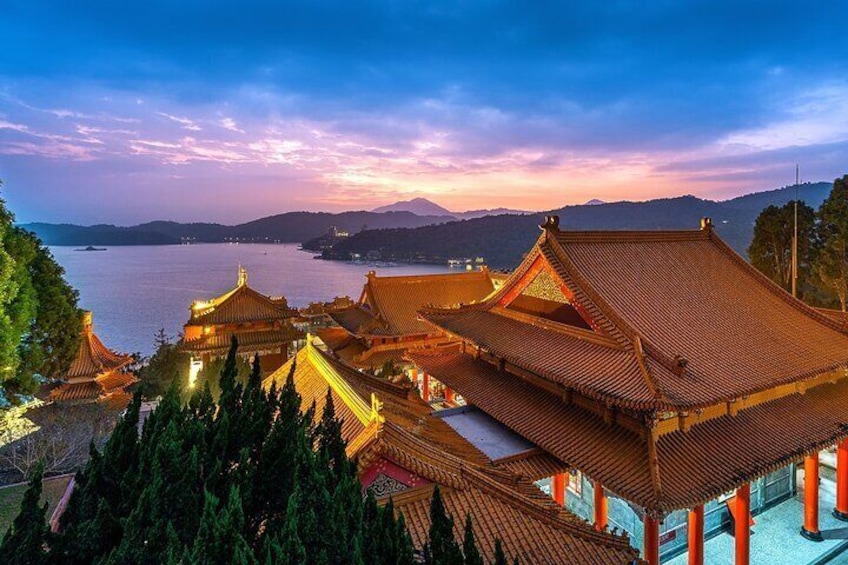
x: 242, y: 276
x: 707, y: 223
x: 551, y: 223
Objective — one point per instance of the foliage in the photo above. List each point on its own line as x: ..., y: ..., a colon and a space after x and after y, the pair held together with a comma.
x: 249, y: 480
x: 40, y: 323
x: 168, y: 365
x: 822, y: 247
x: 771, y: 248
x: 23, y: 543
x: 831, y: 265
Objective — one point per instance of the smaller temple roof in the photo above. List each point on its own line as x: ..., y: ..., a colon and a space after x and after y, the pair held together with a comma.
x: 93, y: 358
x: 389, y: 305
x: 94, y: 373
x: 240, y: 305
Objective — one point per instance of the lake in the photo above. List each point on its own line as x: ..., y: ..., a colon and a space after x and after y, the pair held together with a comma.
x: 134, y: 291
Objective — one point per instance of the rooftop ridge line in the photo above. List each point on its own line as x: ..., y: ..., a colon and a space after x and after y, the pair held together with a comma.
x: 364, y: 411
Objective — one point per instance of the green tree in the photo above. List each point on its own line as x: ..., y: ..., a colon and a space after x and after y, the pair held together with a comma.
x: 167, y: 365
x: 39, y: 320
x: 24, y: 542
x: 770, y: 250
x: 831, y: 265
x: 469, y: 544
x: 442, y: 548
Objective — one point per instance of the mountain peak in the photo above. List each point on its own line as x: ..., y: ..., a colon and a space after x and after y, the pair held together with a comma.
x: 418, y: 206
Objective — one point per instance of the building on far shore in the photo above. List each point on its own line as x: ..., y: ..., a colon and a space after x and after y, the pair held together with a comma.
x: 384, y: 323
x: 261, y: 324
x: 96, y: 374
x: 688, y: 392
x: 403, y: 450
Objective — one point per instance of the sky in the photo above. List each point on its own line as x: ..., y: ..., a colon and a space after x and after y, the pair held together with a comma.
x: 205, y: 110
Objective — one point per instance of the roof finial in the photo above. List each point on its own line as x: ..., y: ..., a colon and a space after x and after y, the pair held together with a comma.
x: 242, y: 276
x: 87, y: 322
x: 706, y: 223
x: 551, y: 223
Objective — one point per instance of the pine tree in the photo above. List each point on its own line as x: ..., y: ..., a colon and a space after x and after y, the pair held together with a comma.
x: 469, y: 545
x: 831, y: 264
x: 500, y: 556
x: 24, y: 542
x: 442, y: 548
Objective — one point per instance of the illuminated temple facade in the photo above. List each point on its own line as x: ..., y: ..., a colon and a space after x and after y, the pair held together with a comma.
x: 97, y: 373
x: 262, y: 325
x: 674, y: 386
x: 403, y: 449
x: 383, y: 325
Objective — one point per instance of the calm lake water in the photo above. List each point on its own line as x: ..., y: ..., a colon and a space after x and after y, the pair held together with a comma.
x: 134, y: 291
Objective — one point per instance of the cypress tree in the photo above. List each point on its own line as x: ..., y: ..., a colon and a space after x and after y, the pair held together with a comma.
x: 442, y: 548
x: 23, y: 543
x: 469, y: 544
x: 500, y: 556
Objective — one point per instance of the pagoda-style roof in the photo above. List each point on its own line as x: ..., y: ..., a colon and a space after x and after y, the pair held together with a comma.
x: 388, y: 305
x: 675, y: 470
x: 240, y: 305
x: 94, y: 373
x: 388, y: 424
x: 94, y: 359
x: 665, y: 320
x: 248, y: 341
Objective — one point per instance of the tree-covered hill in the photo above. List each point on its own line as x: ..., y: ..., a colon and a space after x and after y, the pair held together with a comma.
x: 502, y: 240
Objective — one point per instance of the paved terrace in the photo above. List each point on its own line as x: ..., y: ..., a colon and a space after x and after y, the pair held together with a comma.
x: 775, y: 537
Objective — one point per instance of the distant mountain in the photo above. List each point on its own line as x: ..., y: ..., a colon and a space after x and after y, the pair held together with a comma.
x: 594, y: 202
x: 418, y: 206
x: 502, y: 240
x: 292, y: 227
x: 424, y: 207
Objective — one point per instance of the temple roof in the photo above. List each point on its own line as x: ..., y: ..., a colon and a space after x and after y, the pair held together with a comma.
x: 389, y: 305
x: 382, y: 420
x: 248, y: 341
x: 93, y: 358
x: 240, y: 305
x: 676, y: 470
x: 674, y: 320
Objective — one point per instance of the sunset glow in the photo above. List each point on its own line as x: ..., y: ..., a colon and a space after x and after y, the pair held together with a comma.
x: 351, y: 109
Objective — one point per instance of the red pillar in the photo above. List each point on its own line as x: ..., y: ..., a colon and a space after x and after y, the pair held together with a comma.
x: 651, y: 543
x: 425, y: 387
x: 742, y: 532
x: 841, y: 510
x: 601, y: 507
x: 558, y: 488
x: 811, y: 498
x: 696, y: 535
x: 449, y: 398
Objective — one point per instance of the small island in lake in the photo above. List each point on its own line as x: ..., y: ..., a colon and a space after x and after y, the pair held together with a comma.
x: 91, y: 248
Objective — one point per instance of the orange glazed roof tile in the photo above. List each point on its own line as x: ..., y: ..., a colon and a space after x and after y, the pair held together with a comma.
x: 89, y: 390
x: 697, y: 322
x: 681, y: 469
x: 502, y: 504
x: 389, y: 305
x: 247, y: 340
x: 93, y: 358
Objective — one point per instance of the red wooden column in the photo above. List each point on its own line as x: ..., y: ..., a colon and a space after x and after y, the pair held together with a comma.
x: 558, y: 488
x: 651, y: 540
x: 841, y: 510
x: 810, y: 530
x: 449, y: 397
x: 742, y: 531
x: 425, y: 387
x: 696, y: 535
x: 601, y: 507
